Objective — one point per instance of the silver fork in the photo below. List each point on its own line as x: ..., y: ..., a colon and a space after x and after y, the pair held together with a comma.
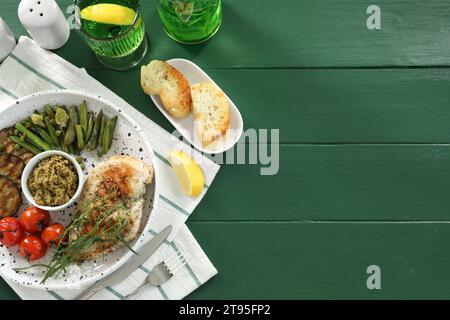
x: 163, y: 272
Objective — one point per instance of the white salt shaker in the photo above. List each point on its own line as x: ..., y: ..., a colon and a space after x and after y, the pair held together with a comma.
x: 45, y: 22
x: 7, y: 40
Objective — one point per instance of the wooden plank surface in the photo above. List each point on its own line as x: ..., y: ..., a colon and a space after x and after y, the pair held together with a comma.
x: 362, y: 140
x: 336, y: 182
x: 290, y: 33
x: 325, y: 260
x: 324, y: 106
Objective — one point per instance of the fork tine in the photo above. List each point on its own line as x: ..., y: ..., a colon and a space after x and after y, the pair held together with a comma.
x: 174, y: 257
x: 180, y: 264
x: 175, y: 263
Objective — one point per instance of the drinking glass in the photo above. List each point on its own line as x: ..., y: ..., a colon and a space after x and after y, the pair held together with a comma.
x: 116, y: 34
x: 190, y: 21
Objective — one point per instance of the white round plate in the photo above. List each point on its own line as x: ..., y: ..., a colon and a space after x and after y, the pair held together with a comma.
x: 129, y: 139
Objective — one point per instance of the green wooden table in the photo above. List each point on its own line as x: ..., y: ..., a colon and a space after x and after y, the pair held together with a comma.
x: 364, y: 119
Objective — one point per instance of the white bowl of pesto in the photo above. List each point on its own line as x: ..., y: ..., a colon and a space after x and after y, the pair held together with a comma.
x: 52, y: 180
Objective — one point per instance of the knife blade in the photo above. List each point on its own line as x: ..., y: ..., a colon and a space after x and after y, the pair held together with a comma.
x: 128, y: 267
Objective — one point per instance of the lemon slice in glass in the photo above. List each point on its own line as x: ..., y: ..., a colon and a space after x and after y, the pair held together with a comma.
x: 188, y: 172
x: 109, y: 13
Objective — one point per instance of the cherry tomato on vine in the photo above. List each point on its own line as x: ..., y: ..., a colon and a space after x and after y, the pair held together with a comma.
x: 32, y: 248
x: 10, y: 231
x: 52, y: 234
x: 34, y: 220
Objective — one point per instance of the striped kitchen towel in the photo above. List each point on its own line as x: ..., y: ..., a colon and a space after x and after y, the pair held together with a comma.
x: 30, y: 69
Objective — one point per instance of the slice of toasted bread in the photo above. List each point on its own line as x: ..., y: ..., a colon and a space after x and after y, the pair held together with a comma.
x: 211, y: 111
x: 160, y: 78
x: 153, y: 75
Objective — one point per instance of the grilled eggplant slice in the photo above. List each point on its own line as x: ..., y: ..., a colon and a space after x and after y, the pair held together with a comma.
x: 23, y: 154
x: 12, y: 167
x: 10, y: 197
x: 7, y: 145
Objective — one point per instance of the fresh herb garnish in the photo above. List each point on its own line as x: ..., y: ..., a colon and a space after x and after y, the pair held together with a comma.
x: 95, y: 225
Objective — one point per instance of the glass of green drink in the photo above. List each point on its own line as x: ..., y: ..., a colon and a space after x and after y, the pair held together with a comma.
x: 114, y: 29
x: 190, y: 21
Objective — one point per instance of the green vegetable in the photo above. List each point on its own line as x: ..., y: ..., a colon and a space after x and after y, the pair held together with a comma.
x: 93, y: 139
x: 38, y: 120
x: 105, y: 138
x: 24, y: 139
x: 113, y: 122
x: 49, y: 111
x: 79, y: 134
x: 51, y: 131
x: 44, y: 135
x: 80, y: 161
x: 102, y: 129
x: 27, y: 123
x: 73, y: 120
x: 2, y: 147
x: 83, y: 116
x: 71, y: 149
x: 69, y: 129
x: 70, y: 251
x: 90, y: 126
x: 34, y: 138
x: 61, y: 117
x: 24, y: 145
x: 17, y: 147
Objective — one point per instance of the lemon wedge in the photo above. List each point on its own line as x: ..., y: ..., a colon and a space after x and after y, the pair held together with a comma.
x: 188, y: 172
x: 109, y: 13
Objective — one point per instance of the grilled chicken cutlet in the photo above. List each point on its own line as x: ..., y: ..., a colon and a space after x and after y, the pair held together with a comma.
x: 111, y: 206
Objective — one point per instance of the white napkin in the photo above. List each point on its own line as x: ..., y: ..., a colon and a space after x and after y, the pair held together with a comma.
x: 30, y: 69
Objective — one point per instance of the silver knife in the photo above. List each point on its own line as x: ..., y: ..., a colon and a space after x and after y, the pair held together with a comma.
x: 128, y: 267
